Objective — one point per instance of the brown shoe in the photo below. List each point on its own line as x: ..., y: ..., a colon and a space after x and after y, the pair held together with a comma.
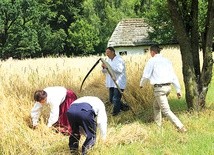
x: 182, y: 130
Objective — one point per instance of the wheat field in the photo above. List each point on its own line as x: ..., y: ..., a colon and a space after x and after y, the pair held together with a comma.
x: 20, y: 78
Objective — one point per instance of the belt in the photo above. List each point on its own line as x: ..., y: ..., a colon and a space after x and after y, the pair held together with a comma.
x: 163, y: 84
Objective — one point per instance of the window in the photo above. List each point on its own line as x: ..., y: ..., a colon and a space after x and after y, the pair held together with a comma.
x: 123, y: 53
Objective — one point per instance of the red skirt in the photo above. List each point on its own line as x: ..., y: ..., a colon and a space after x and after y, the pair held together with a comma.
x: 62, y: 124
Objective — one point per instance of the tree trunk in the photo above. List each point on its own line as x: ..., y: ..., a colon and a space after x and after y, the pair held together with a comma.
x: 194, y: 31
x: 196, y: 81
x: 185, y: 41
x: 190, y: 80
x: 207, y: 41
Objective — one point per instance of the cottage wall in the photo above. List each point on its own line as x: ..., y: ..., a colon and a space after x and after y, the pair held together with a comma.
x: 131, y: 50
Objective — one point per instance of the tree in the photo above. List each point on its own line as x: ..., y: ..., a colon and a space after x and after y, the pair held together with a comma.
x: 30, y: 28
x: 83, y: 37
x: 184, y: 14
x: 18, y: 38
x: 64, y: 13
x: 157, y: 15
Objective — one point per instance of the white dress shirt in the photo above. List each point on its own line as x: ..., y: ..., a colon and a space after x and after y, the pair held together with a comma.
x: 55, y: 96
x: 118, y: 66
x: 159, y: 70
x: 99, y: 109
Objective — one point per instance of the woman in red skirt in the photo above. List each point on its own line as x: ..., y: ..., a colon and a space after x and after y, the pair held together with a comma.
x: 59, y: 99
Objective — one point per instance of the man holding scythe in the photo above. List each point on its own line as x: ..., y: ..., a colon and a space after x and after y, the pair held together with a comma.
x: 118, y: 67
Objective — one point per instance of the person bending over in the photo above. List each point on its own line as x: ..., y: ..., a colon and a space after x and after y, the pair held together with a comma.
x: 59, y: 99
x: 81, y: 115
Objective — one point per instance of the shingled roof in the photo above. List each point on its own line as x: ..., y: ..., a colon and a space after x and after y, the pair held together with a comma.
x: 130, y: 32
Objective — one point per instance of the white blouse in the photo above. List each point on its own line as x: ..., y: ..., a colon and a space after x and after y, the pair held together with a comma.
x: 55, y: 96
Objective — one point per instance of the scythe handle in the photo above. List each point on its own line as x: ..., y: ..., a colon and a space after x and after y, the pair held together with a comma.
x: 115, y: 82
x: 119, y: 90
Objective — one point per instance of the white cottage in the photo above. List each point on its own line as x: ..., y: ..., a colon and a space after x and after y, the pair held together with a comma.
x: 130, y: 37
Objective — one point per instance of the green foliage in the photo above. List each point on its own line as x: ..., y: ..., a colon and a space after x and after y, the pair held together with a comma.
x: 51, y: 41
x: 83, y: 37
x: 157, y: 16
x: 19, y: 37
x: 52, y: 27
x: 202, y: 13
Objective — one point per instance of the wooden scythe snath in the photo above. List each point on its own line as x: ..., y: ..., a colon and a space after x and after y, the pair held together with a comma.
x: 112, y: 75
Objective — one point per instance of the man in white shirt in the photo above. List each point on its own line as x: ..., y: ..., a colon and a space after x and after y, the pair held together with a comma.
x: 59, y: 99
x: 118, y: 66
x: 160, y: 72
x: 82, y: 113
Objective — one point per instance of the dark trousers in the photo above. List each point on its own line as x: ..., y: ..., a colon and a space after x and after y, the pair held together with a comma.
x: 115, y: 98
x: 82, y: 115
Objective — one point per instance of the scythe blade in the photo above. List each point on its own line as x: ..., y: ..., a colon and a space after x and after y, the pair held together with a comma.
x: 89, y: 73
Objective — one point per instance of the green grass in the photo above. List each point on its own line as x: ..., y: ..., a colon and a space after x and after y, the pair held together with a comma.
x: 199, y: 140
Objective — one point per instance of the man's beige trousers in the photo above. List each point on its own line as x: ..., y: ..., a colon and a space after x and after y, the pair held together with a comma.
x: 161, y: 105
